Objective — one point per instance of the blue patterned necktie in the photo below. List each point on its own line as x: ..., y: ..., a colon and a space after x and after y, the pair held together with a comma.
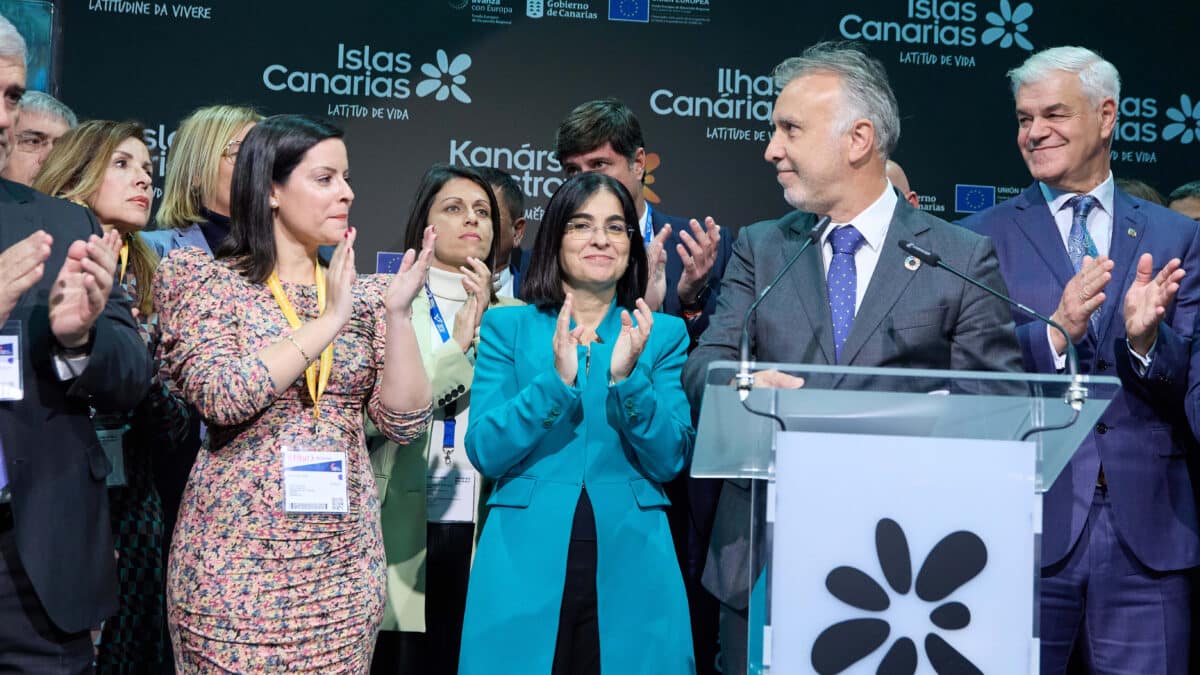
x: 842, y: 282
x: 1079, y: 240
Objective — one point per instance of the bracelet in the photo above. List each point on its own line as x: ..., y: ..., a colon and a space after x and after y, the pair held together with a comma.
x: 300, y: 349
x: 691, y: 315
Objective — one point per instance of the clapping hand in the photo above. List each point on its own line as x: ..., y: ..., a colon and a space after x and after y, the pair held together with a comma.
x: 566, y: 344
x: 477, y: 281
x: 656, y: 269
x: 339, y: 280
x: 82, y: 288
x: 21, y: 266
x: 1147, y: 299
x: 1083, y: 295
x: 631, y: 341
x: 698, y: 253
x: 410, y: 279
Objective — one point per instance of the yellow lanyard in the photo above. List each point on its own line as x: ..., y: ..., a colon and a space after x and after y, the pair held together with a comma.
x: 316, y: 384
x: 124, y: 260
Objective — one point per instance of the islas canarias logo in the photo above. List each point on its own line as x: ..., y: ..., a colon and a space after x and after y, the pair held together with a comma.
x: 955, y: 23
x: 367, y: 71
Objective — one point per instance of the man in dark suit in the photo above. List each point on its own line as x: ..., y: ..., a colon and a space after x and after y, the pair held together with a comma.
x: 77, y: 344
x: 852, y: 300
x: 605, y: 136
x: 1119, y: 525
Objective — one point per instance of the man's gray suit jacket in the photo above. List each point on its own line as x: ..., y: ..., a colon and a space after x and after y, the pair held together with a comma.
x: 908, y: 318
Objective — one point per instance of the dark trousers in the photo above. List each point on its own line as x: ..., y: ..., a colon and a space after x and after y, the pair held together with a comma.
x: 1104, y: 611
x: 577, y: 650
x: 447, y: 568
x: 29, y: 640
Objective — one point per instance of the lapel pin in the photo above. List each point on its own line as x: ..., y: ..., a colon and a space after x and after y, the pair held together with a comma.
x: 912, y: 264
x: 1132, y: 232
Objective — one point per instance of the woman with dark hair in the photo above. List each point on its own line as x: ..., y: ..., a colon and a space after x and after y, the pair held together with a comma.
x: 429, y: 541
x: 105, y: 166
x: 579, y: 417
x: 277, y: 561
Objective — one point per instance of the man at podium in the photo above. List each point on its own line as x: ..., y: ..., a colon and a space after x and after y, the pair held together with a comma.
x: 854, y: 298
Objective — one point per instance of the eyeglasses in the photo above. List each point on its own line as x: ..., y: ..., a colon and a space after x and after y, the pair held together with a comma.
x: 232, y: 148
x: 616, y: 230
x: 34, y: 142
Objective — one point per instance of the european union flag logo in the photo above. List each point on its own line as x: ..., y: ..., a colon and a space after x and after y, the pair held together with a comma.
x: 973, y: 198
x: 387, y: 262
x: 629, y: 10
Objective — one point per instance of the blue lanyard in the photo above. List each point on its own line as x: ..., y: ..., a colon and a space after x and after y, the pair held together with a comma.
x: 436, y: 315
x: 448, y: 424
x: 649, y: 233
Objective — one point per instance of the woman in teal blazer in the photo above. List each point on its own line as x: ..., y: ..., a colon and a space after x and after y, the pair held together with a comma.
x: 579, y: 416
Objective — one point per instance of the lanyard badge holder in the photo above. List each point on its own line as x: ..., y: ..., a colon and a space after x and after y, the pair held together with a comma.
x: 449, y: 424
x: 313, y: 481
x: 449, y: 493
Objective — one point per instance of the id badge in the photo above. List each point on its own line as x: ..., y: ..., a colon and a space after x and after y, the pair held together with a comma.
x: 450, y: 494
x: 314, y: 482
x: 114, y: 449
x: 12, y: 385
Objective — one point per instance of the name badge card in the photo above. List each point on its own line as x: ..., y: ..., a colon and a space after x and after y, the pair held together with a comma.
x: 12, y: 387
x: 111, y: 440
x: 450, y: 494
x: 314, y: 482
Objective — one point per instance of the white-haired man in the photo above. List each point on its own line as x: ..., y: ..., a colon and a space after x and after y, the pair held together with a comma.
x: 1119, y: 530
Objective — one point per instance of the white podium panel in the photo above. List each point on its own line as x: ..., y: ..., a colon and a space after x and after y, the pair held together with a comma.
x: 891, y: 554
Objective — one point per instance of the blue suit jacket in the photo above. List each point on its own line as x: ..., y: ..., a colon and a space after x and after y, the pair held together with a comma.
x: 542, y: 442
x: 1142, y: 438
x: 165, y: 241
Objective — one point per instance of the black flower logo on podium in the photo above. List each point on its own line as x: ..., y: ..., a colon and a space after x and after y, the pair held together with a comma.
x: 955, y: 560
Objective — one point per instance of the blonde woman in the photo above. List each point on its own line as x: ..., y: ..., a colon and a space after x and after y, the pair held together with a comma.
x: 195, y: 206
x: 105, y: 166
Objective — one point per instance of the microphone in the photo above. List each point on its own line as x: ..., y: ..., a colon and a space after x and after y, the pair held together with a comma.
x: 745, y: 381
x: 1076, y: 393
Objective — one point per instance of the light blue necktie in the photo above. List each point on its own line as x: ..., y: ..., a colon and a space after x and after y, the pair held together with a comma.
x: 842, y: 282
x: 1079, y: 241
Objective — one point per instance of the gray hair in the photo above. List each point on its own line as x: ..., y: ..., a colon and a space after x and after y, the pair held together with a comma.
x: 865, y: 87
x: 1099, y: 78
x: 12, y: 45
x: 1185, y: 191
x: 41, y: 102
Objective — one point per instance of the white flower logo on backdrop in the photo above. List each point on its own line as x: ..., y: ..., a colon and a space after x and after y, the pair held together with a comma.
x: 1008, y: 26
x: 1185, y: 121
x: 445, y: 77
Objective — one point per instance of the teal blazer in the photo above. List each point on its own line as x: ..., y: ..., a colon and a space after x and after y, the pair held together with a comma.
x: 542, y: 441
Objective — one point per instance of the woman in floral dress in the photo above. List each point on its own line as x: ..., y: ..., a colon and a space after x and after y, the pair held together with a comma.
x: 268, y: 575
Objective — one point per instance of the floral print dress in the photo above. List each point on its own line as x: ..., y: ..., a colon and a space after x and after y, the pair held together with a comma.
x: 250, y: 587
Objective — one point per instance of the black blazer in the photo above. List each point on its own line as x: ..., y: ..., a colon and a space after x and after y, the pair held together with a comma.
x: 56, y: 468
